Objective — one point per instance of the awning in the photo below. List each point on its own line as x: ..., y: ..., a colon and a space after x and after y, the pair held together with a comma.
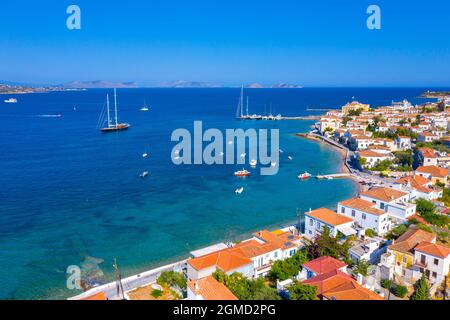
x: 347, y: 231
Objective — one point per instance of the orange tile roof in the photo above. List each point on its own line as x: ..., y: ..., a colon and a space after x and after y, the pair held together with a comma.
x: 434, y: 171
x: 417, y: 182
x: 362, y: 205
x: 282, y: 239
x: 98, y: 296
x: 410, y: 239
x: 324, y: 264
x: 211, y: 289
x: 253, y: 248
x: 227, y: 260
x: 433, y: 249
x: 329, y: 217
x: 371, y: 154
x: 340, y: 286
x: 428, y: 153
x: 384, y: 194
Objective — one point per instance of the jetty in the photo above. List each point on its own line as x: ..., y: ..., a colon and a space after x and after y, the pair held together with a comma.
x: 335, y: 175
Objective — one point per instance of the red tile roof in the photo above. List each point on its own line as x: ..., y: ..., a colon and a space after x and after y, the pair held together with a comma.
x: 434, y: 171
x: 324, y: 264
x: 433, y: 249
x: 337, y: 285
x: 410, y: 239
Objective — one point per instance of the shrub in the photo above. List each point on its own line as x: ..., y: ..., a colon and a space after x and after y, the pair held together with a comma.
x: 401, y: 291
x: 386, y: 283
x: 171, y: 279
x: 156, y: 293
x: 422, y: 291
x: 396, y: 232
x: 300, y: 291
x: 371, y: 233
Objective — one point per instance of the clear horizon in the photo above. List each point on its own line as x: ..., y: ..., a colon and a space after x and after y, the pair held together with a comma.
x: 323, y: 44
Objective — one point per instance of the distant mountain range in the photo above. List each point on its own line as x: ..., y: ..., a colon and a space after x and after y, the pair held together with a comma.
x: 98, y: 84
x: 101, y: 84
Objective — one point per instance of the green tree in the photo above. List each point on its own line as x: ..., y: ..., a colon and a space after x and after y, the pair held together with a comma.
x: 300, y: 291
x: 386, y: 284
x: 246, y: 289
x: 327, y: 245
x: 425, y: 207
x: 396, y: 232
x: 171, y: 279
x: 421, y: 291
x: 362, y: 267
x: 288, y: 268
x: 401, y: 291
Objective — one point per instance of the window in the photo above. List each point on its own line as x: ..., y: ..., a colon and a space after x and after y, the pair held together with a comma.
x: 342, y: 210
x: 423, y: 259
x: 436, y: 262
x: 434, y: 275
x: 311, y: 222
x: 382, y: 205
x: 364, y: 216
x: 275, y: 255
x: 353, y: 213
x: 404, y: 259
x: 374, y: 202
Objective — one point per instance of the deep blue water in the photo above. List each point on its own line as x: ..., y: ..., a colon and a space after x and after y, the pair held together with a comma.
x: 68, y: 192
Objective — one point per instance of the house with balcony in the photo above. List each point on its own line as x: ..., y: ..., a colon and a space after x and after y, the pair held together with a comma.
x: 365, y: 214
x: 434, y: 174
x: 394, y: 202
x: 433, y: 260
x: 317, y: 220
x: 400, y: 256
x: 418, y: 187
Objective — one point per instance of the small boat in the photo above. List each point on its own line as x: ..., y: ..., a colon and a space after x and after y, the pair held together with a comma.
x: 145, y: 155
x: 290, y: 158
x: 281, y: 151
x: 145, y: 107
x: 253, y: 163
x: 230, y: 142
x: 304, y: 176
x: 221, y: 153
x: 243, y: 155
x: 144, y: 174
x: 273, y: 163
x: 239, y: 190
x: 242, y: 173
x: 11, y: 100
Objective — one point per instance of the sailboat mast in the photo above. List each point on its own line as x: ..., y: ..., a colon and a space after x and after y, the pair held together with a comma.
x: 107, y: 108
x: 115, y: 105
x: 242, y: 101
x: 247, y: 106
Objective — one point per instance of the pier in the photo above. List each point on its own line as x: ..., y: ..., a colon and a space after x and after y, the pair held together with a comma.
x: 276, y: 118
x: 334, y: 175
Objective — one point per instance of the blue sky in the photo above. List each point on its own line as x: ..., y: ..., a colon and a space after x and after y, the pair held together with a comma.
x: 312, y: 43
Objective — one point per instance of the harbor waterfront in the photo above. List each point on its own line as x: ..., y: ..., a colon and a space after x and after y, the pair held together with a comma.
x: 74, y: 196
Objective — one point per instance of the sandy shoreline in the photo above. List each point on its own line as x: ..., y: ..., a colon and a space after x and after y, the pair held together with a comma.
x: 343, y: 153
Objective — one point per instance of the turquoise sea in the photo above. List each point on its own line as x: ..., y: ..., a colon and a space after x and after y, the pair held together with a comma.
x: 69, y: 192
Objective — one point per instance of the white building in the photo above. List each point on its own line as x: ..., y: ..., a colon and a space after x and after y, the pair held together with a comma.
x: 317, y: 220
x: 433, y: 260
x: 394, y: 202
x: 365, y: 214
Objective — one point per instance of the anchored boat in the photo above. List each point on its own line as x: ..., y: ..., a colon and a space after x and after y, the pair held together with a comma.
x: 113, y: 125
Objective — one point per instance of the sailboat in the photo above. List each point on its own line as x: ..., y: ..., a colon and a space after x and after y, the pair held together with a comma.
x: 145, y: 107
x: 114, y: 126
x: 240, y: 108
